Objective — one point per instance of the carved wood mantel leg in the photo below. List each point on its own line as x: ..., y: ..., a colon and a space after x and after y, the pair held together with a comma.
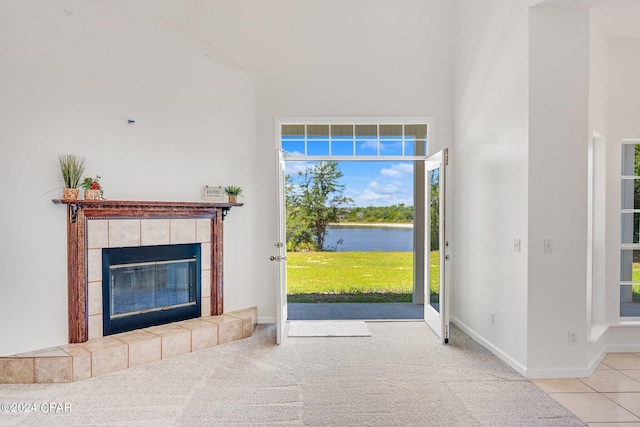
x: 77, y: 290
x: 216, y: 265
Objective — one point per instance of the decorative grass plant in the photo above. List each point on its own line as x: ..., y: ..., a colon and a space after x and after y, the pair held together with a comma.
x: 72, y: 168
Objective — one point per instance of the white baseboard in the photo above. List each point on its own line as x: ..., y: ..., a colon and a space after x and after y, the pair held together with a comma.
x: 539, y: 373
x: 486, y: 344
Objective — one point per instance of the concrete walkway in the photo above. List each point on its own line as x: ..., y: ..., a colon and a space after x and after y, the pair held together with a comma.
x: 351, y: 311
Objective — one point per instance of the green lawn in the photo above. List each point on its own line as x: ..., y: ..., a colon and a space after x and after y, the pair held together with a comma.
x: 635, y: 271
x: 353, y: 276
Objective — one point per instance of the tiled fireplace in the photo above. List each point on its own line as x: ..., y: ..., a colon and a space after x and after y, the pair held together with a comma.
x: 96, y: 225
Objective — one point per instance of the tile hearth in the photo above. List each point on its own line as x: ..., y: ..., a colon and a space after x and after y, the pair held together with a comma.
x: 99, y: 356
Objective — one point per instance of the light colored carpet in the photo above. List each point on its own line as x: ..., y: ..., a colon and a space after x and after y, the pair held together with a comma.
x: 342, y: 328
x: 400, y: 376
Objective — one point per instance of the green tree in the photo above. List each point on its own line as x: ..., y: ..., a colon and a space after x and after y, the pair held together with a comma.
x: 380, y: 214
x: 314, y: 200
x: 299, y: 235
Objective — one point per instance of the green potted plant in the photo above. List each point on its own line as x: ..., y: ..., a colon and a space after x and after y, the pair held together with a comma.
x: 71, y: 168
x: 233, y: 192
x: 92, y: 188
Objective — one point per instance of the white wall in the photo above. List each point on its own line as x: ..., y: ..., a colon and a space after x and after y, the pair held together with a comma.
x: 597, y: 254
x: 558, y: 142
x: 624, y: 90
x: 69, y: 84
x: 598, y: 77
x: 489, y: 164
x: 623, y: 123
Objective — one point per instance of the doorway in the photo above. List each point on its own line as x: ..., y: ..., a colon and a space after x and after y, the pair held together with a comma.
x: 356, y: 141
x: 359, y: 263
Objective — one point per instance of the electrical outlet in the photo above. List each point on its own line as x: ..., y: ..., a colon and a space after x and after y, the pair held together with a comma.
x: 492, y: 319
x: 573, y: 338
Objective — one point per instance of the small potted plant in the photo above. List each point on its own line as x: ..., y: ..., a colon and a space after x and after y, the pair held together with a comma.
x: 71, y: 168
x: 233, y: 192
x: 92, y: 189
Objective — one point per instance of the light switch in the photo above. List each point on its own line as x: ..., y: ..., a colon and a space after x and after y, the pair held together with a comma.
x: 516, y: 245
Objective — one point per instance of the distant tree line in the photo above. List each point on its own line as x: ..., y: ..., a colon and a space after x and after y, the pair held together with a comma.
x: 380, y: 214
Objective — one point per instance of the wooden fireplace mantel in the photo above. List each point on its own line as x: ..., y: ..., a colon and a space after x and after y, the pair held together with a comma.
x: 80, y: 211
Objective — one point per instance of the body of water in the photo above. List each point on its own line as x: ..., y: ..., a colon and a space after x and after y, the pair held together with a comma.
x: 359, y: 238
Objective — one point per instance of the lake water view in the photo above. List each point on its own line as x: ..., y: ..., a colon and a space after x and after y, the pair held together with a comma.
x: 370, y: 238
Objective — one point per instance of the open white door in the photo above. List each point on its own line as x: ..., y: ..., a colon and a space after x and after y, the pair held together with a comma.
x: 280, y: 256
x: 436, y: 306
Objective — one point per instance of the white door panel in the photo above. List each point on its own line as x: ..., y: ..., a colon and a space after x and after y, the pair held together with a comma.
x: 280, y: 256
x: 436, y: 307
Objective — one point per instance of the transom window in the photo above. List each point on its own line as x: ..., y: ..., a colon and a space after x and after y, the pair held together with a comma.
x: 354, y: 140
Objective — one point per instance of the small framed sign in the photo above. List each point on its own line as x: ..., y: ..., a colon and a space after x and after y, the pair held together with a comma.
x: 213, y: 194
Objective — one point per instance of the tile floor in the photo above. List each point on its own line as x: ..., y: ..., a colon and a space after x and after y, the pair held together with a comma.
x: 609, y: 397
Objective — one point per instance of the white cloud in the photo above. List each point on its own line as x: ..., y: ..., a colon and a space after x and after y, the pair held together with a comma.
x: 382, y: 193
x: 371, y: 144
x: 389, y: 188
x: 368, y: 197
x: 391, y: 173
x: 292, y: 168
x: 397, y: 170
x: 391, y: 146
x: 372, y: 198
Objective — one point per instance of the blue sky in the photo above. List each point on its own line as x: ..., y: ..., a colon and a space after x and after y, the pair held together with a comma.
x: 378, y: 183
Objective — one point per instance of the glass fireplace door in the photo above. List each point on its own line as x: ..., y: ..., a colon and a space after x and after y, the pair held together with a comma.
x: 143, y: 287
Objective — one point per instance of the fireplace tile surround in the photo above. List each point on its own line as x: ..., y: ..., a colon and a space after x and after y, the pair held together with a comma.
x: 141, y: 232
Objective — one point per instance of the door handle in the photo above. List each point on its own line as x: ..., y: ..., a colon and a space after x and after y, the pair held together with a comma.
x: 277, y: 258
